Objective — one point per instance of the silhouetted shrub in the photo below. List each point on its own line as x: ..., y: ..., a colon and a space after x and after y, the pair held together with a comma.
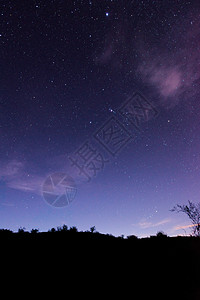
x: 5, y: 232
x: 121, y: 237
x: 132, y: 237
x: 52, y: 230
x: 161, y: 234
x: 73, y: 229
x: 34, y: 230
x: 93, y: 229
x: 64, y: 228
x: 21, y: 230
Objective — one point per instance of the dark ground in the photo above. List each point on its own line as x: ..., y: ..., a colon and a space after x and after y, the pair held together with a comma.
x: 157, y: 267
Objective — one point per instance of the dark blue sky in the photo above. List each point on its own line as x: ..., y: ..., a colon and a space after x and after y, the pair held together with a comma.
x: 67, y: 69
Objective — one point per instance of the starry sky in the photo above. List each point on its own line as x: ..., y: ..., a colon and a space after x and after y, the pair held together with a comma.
x: 68, y: 70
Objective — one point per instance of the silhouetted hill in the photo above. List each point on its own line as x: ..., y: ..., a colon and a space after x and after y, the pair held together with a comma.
x: 160, y: 267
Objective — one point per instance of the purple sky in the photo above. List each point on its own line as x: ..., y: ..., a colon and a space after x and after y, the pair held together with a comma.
x: 67, y: 69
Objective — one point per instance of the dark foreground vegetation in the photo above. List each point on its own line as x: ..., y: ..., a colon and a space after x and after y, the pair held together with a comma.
x: 159, y: 267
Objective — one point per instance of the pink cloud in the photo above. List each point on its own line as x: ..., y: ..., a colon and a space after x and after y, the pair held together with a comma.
x: 166, y: 79
x: 169, y: 83
x: 174, y: 74
x: 178, y: 227
x: 106, y: 54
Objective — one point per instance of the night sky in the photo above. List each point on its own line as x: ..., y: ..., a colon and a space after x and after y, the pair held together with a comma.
x: 101, y: 97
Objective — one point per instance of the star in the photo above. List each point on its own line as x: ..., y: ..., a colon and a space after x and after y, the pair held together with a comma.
x: 107, y: 14
x: 112, y: 111
x: 164, y: 143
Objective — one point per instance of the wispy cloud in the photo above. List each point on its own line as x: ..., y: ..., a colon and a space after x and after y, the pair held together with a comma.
x: 178, y: 227
x: 11, y: 169
x: 27, y: 184
x: 15, y: 175
x: 145, y: 224
x: 167, y: 79
x: 174, y: 74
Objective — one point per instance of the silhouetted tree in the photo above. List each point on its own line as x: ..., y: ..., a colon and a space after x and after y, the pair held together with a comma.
x: 52, y: 230
x: 161, y: 234
x: 34, y: 230
x: 5, y: 232
x: 132, y: 237
x: 92, y: 229
x: 21, y: 230
x: 64, y: 228
x: 193, y: 212
x: 121, y: 237
x: 73, y: 229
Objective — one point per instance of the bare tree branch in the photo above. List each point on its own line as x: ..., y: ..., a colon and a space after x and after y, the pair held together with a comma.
x: 192, y: 210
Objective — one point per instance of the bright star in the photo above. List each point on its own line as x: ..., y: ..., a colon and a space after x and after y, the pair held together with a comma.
x: 107, y: 14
